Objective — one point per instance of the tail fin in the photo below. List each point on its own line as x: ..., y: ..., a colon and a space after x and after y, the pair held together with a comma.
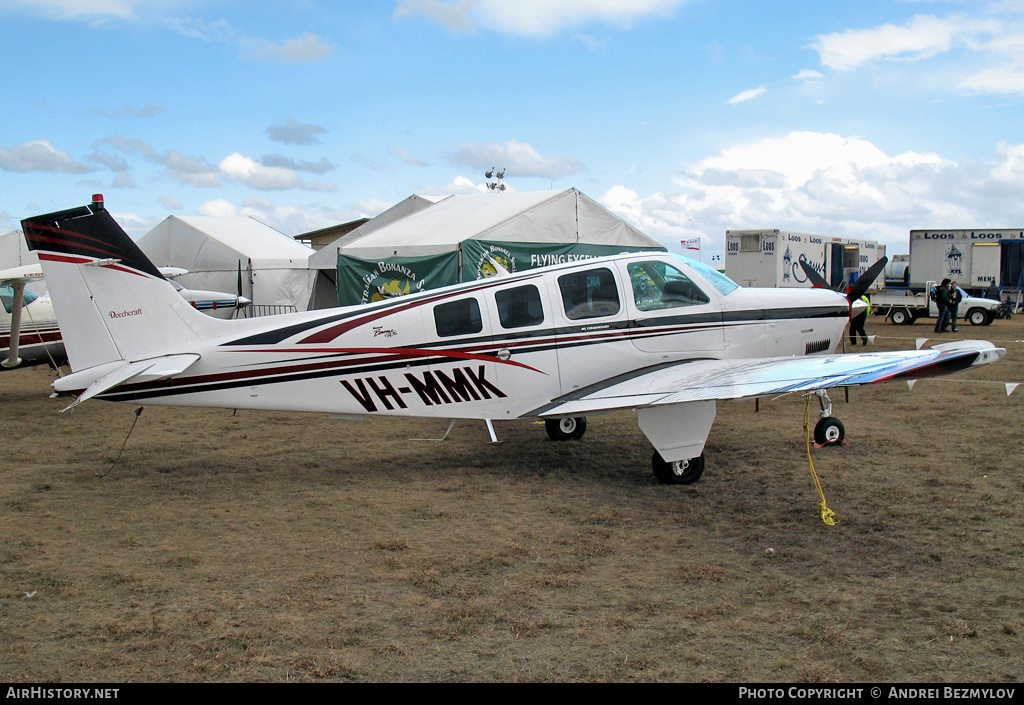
x: 111, y: 302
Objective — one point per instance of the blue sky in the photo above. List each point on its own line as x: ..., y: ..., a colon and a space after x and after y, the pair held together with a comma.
x: 686, y: 117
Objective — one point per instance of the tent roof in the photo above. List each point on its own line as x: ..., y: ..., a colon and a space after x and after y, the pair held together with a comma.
x: 539, y: 217
x: 327, y: 257
x: 223, y: 238
x: 14, y: 251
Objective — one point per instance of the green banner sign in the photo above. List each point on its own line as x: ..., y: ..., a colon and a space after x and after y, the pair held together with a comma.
x: 520, y: 256
x: 361, y: 281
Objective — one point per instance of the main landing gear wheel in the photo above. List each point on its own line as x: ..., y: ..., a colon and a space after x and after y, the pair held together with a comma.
x: 567, y: 429
x: 829, y: 431
x: 681, y: 472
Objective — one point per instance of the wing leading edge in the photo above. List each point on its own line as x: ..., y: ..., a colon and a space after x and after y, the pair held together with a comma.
x: 712, y: 380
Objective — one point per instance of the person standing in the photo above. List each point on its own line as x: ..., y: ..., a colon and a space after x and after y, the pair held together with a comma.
x: 955, y: 297
x: 941, y: 298
x: 857, y: 323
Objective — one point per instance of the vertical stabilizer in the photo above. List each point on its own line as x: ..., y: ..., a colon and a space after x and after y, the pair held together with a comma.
x: 111, y: 302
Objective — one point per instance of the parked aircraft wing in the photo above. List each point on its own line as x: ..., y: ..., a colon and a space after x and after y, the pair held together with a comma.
x: 711, y: 380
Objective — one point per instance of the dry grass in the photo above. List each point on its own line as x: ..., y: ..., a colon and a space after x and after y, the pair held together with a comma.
x: 284, y: 547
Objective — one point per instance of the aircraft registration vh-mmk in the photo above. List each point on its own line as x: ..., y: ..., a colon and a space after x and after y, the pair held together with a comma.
x: 666, y: 336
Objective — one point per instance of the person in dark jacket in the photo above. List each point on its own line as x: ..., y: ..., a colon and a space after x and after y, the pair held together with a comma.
x: 955, y: 297
x: 941, y: 298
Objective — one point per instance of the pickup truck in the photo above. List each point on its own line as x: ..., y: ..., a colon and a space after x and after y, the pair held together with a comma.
x: 904, y: 306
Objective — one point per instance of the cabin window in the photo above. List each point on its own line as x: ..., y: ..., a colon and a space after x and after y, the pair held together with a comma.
x: 460, y: 317
x: 519, y: 307
x: 589, y: 294
x: 7, y: 297
x: 659, y: 285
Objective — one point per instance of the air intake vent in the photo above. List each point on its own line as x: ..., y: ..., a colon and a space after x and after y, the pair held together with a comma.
x: 817, y: 346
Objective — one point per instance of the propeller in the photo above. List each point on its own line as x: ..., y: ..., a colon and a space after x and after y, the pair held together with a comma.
x: 865, y: 280
x: 855, y: 290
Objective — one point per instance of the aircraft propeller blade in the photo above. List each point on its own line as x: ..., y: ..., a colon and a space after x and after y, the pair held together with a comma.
x: 857, y: 289
x: 816, y: 279
x: 866, y: 279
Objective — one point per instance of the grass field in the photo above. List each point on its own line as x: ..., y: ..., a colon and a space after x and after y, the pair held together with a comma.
x: 290, y: 547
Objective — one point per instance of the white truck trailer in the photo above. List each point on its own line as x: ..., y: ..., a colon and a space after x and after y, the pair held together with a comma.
x: 771, y: 258
x: 904, y: 306
x: 972, y: 258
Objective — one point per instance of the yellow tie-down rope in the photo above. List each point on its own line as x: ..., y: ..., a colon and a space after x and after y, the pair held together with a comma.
x: 827, y: 515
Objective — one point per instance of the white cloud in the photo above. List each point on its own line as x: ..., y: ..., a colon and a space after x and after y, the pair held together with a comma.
x: 533, y: 17
x: 66, y: 9
x: 39, y: 155
x: 808, y: 75
x: 304, y: 49
x: 193, y: 171
x: 320, y: 167
x: 517, y: 158
x: 747, y: 95
x: 252, y: 173
x: 923, y: 37
x: 170, y: 202
x: 828, y: 184
x: 404, y: 156
x: 460, y: 185
x: 218, y: 208
x: 295, y: 132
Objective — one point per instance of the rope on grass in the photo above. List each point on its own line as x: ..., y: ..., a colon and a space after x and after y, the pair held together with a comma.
x: 827, y: 515
x: 138, y: 413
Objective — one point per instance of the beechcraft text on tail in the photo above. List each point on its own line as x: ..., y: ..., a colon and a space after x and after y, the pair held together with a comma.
x: 666, y: 336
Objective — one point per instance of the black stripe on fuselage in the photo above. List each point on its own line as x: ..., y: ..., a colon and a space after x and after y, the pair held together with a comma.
x: 567, y: 337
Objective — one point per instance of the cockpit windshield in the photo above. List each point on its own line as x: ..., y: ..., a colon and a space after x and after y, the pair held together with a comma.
x: 7, y: 297
x: 722, y: 283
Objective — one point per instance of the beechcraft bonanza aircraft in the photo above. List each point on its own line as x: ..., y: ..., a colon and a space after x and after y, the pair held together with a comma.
x: 647, y: 331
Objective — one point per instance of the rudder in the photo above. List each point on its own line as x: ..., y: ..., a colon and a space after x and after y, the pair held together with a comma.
x: 111, y: 302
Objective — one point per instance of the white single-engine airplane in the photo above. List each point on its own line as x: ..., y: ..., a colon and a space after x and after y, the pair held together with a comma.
x: 28, y: 326
x: 648, y: 331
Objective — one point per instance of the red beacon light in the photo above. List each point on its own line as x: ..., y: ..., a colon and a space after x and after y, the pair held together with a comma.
x: 97, y: 201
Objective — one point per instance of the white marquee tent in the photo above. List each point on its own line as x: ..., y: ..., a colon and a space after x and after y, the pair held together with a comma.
x: 274, y: 267
x: 459, y: 238
x: 546, y: 217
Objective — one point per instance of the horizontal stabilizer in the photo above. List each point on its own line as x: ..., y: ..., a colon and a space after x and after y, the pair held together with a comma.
x: 140, y: 371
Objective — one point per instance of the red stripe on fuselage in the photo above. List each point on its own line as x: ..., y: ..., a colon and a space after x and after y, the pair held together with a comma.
x: 329, y: 334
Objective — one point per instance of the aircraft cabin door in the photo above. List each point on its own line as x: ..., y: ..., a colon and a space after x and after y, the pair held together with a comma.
x: 670, y: 313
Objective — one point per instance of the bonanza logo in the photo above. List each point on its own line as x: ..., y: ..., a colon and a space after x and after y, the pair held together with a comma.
x: 485, y: 269
x: 388, y: 281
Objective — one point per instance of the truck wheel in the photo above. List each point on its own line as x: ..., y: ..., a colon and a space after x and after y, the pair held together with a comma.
x: 900, y: 318
x: 978, y: 317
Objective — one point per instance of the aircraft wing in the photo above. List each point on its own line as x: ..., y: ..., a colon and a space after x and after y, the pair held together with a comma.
x: 712, y: 380
x: 26, y: 273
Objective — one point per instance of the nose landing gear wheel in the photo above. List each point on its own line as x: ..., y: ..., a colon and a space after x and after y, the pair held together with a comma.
x: 680, y: 472
x: 829, y: 431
